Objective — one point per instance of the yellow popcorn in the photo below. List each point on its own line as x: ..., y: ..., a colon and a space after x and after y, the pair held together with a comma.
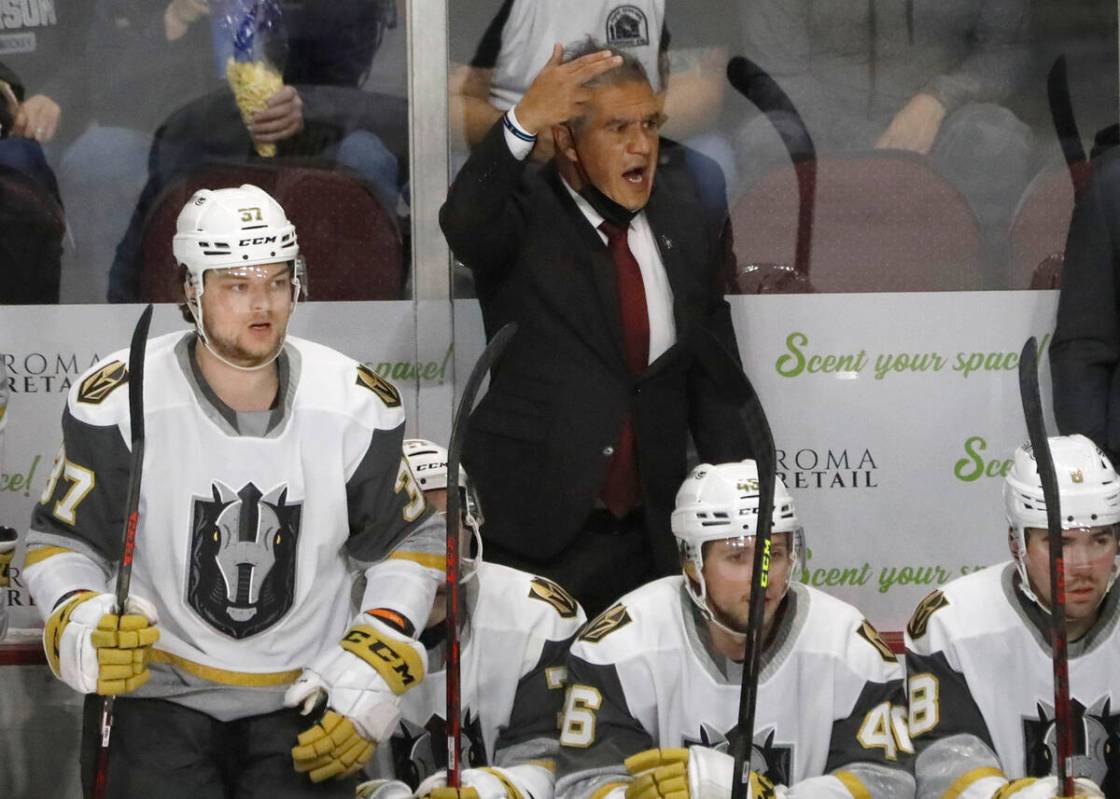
x: 253, y: 82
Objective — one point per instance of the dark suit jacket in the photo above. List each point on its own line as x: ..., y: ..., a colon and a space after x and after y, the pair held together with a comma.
x: 539, y: 442
x: 1085, y: 352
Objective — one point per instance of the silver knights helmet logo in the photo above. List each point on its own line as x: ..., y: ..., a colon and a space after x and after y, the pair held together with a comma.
x: 243, y: 558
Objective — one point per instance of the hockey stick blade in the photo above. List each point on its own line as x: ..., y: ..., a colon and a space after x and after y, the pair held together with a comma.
x: 760, y: 88
x: 136, y: 353
x: 1040, y: 447
x: 481, y: 368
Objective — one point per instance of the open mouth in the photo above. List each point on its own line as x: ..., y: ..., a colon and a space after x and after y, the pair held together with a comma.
x: 635, y: 175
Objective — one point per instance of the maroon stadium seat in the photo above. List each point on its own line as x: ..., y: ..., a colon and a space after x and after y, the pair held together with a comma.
x: 1039, y: 230
x: 882, y: 221
x: 352, y: 246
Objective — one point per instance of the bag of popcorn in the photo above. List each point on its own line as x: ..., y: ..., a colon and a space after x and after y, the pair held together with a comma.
x: 254, y: 68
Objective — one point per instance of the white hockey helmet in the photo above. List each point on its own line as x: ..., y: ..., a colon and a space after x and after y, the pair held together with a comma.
x: 428, y: 462
x: 1088, y: 487
x: 720, y: 502
x: 224, y: 228
x: 229, y: 229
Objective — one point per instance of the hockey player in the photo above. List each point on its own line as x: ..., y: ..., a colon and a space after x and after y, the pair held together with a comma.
x: 978, y: 656
x: 654, y: 681
x: 515, y: 633
x: 273, y: 476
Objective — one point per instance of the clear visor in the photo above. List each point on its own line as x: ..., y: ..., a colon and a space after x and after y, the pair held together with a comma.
x: 782, y: 545
x: 1081, y: 544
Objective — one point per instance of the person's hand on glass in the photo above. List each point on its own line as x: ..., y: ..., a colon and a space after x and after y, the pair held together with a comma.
x: 37, y: 118
x: 280, y: 119
x: 915, y: 127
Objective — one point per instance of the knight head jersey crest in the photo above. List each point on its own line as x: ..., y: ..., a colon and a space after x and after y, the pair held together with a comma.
x: 243, y: 557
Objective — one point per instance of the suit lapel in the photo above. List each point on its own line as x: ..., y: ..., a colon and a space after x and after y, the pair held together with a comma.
x: 671, y: 248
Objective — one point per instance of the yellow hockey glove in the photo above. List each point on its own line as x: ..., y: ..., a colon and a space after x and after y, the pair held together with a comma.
x: 361, y: 681
x: 93, y: 649
x: 693, y: 773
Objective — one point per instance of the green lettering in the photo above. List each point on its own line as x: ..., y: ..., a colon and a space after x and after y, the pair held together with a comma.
x: 971, y: 468
x: 791, y: 365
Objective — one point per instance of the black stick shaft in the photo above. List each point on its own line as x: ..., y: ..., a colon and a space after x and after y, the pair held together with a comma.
x: 1065, y: 123
x: 136, y: 353
x: 454, y: 453
x: 762, y: 444
x: 1040, y: 446
x: 758, y: 86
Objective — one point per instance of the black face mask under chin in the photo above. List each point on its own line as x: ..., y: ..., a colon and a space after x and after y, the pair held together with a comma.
x: 604, y: 205
x: 607, y: 208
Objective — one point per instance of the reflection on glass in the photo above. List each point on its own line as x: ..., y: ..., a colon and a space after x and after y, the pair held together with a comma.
x: 935, y: 157
x: 117, y: 109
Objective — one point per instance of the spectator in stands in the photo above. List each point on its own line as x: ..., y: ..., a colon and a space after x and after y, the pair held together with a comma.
x: 520, y: 37
x: 320, y: 114
x: 140, y: 61
x: 31, y: 225
x: 931, y: 79
x: 27, y: 122
x: 1085, y: 351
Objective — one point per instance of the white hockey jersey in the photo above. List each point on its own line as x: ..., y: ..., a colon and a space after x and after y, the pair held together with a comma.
x: 530, y: 28
x: 247, y: 543
x: 643, y: 675
x: 982, y: 692
x: 512, y: 673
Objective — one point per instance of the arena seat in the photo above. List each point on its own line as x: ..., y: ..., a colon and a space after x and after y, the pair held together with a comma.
x: 351, y: 244
x: 882, y: 221
x: 1039, y: 229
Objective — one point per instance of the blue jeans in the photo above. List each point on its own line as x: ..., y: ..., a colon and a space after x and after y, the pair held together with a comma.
x: 101, y: 174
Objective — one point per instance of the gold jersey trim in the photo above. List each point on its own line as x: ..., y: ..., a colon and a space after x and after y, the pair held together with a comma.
x: 961, y: 783
x: 223, y: 676
x: 39, y: 554
x: 854, y: 784
x: 426, y: 559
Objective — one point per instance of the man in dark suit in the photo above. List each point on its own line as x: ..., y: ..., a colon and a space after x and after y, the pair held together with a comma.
x: 610, y: 267
x: 1085, y: 352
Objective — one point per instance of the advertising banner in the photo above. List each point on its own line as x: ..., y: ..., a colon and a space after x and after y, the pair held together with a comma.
x: 895, y: 416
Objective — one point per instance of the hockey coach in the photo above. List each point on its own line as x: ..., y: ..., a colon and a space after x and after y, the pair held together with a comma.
x: 624, y: 340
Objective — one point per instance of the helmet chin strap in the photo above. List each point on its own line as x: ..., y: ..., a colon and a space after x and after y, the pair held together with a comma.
x: 195, y: 306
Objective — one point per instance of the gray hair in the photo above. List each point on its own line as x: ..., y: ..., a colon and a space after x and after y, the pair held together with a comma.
x: 631, y: 70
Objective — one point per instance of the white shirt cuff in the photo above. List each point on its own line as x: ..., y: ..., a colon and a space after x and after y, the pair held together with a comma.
x: 519, y: 140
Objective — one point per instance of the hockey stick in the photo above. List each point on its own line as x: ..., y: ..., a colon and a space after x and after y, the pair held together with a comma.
x: 132, y: 515
x: 757, y: 86
x: 1040, y: 446
x: 762, y: 445
x: 485, y: 362
x: 1065, y: 123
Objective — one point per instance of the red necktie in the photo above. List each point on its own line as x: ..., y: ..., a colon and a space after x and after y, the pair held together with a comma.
x: 622, y: 489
